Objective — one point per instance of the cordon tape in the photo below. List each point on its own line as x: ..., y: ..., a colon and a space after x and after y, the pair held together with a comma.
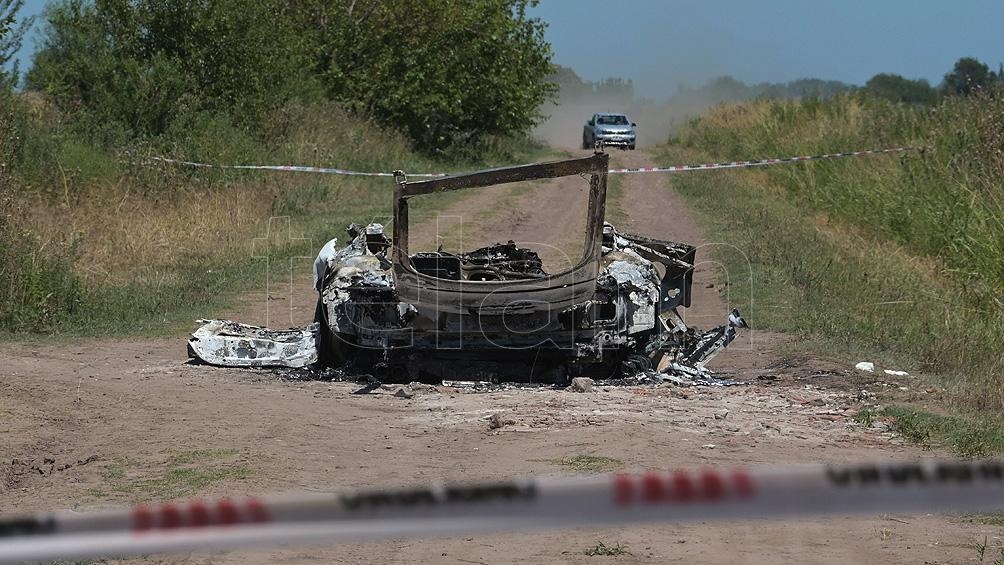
x: 667, y: 169
x: 518, y: 505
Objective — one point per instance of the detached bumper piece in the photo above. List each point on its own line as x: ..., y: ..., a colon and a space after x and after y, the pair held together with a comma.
x: 229, y: 344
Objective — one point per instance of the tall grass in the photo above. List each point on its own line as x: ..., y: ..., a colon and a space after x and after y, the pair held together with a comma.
x: 111, y: 243
x: 899, y: 254
x: 37, y: 283
x: 945, y: 202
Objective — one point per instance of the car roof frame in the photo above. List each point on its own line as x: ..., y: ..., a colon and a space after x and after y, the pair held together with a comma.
x: 566, y: 287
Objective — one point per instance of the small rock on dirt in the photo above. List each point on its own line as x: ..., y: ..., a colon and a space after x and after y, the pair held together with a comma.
x: 880, y: 426
x: 582, y: 384
x: 494, y: 422
x: 404, y: 392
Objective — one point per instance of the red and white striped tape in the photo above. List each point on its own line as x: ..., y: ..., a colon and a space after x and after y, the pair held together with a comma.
x: 667, y: 169
x: 520, y: 505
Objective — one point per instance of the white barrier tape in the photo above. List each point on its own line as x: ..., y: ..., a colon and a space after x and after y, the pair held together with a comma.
x: 761, y: 162
x: 668, y: 169
x: 291, y: 168
x: 531, y: 504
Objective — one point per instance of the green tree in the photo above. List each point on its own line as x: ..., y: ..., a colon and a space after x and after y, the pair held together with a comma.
x: 967, y: 76
x: 615, y: 88
x: 570, y: 85
x: 11, y: 36
x: 139, y: 65
x: 896, y: 88
x: 448, y: 73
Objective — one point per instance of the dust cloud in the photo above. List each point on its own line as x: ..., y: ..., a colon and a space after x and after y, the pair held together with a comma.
x: 562, y: 127
x: 657, y: 121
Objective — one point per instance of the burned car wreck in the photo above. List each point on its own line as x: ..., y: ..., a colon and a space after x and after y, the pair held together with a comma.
x: 493, y: 313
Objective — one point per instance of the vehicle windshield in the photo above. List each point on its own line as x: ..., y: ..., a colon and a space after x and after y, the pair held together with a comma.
x: 612, y: 120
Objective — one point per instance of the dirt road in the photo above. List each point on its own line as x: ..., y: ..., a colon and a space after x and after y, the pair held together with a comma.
x: 96, y: 424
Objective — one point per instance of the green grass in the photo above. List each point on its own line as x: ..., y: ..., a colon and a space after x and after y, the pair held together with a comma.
x: 198, y: 455
x: 157, y: 285
x: 968, y: 435
x: 901, y: 256
x: 865, y: 417
x: 180, y: 474
x: 989, y: 519
x: 943, y: 202
x: 602, y: 549
x: 847, y: 292
x: 589, y: 463
x: 79, y: 162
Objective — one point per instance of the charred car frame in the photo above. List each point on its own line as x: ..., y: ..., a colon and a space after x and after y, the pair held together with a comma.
x: 494, y: 313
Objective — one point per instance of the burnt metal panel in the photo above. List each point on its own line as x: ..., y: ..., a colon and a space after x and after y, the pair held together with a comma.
x: 595, y: 164
x: 558, y: 291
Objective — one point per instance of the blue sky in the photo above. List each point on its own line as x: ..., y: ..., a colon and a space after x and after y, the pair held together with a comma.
x: 662, y: 43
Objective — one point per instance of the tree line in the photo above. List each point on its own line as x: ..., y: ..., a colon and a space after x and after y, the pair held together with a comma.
x: 447, y: 74
x: 968, y: 76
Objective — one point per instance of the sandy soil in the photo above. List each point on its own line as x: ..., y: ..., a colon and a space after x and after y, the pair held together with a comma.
x: 104, y: 423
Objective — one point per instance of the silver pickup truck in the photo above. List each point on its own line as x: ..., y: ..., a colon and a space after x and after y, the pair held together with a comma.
x: 609, y: 129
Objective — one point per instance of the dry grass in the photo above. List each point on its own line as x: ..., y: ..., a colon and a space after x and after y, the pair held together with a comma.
x: 154, y: 245
x: 123, y: 236
x: 36, y: 283
x: 590, y: 463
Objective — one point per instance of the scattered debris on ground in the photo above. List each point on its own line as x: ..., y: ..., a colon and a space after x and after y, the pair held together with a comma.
x: 47, y: 465
x: 869, y: 367
x: 602, y: 549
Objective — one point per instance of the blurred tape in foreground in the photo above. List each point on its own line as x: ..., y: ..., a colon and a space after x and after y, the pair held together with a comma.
x: 519, y: 505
